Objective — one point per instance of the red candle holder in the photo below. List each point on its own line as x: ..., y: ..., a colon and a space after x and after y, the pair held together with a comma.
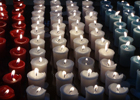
x: 22, y: 42
x: 17, y: 2
x: 4, y: 17
x: 18, y: 53
x: 2, y: 46
x: 19, y: 25
x: 17, y: 65
x: 16, y: 33
x: 2, y: 10
x: 20, y: 6
x: 3, y: 24
x: 6, y: 93
x: 17, y: 11
x: 2, y: 4
x: 17, y: 18
x: 2, y: 32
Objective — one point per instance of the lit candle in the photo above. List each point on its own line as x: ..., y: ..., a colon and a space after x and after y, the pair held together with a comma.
x: 128, y: 7
x: 78, y: 24
x: 61, y: 25
x: 71, y: 13
x: 58, y: 41
x: 136, y: 36
x: 87, y: 3
x: 39, y: 7
x: 103, y: 2
x: 38, y: 13
x: 35, y: 32
x: 39, y: 25
x: 120, y: 5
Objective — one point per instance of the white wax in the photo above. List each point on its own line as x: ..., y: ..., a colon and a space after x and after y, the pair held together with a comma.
x: 115, y: 94
x: 39, y: 2
x: 37, y: 80
x: 92, y: 94
x: 62, y: 26
x: 92, y: 26
x: 58, y: 42
x: 39, y: 26
x: 36, y: 14
x: 55, y: 33
x: 86, y: 80
x: 71, y: 13
x: 88, y: 20
x: 87, y: 3
x: 72, y: 19
x: 66, y: 94
x: 35, y: 33
x: 74, y: 34
x: 86, y: 8
x: 59, y: 53
x: 109, y: 79
x: 35, y: 43
x: 98, y: 45
x: 38, y: 7
x: 80, y: 25
x: 61, y: 80
x: 95, y: 13
x: 96, y: 35
x: 109, y: 54
x: 35, y: 19
x: 55, y: 13
x: 68, y: 3
x: 55, y: 3
x: 33, y: 94
x: 85, y: 63
x: 58, y: 8
x: 55, y: 19
x: 78, y: 42
x: 37, y: 53
x: 106, y: 67
x: 71, y: 8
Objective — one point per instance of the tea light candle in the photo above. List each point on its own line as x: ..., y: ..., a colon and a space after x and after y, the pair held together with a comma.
x: 35, y: 19
x: 106, y: 65
x: 89, y: 19
x: 138, y: 81
x: 37, y: 52
x: 18, y: 17
x: 112, y: 77
x: 72, y: 7
x: 107, y: 16
x: 126, y: 52
x: 58, y: 41
x: 39, y: 7
x: 94, y: 92
x: 59, y: 52
x: 79, y: 25
x: 16, y: 33
x: 57, y: 7
x: 55, y: 13
x: 128, y: 7
x: 103, y: 2
x: 113, y: 18
x: 96, y: 34
x: 36, y: 78
x: 37, y: 42
x: 69, y: 2
x: 40, y: 63
x: 104, y: 8
x: 134, y: 65
x: 87, y: 3
x: 62, y: 26
x: 85, y: 63
x: 65, y: 65
x: 106, y: 53
x: 136, y: 32
x: 68, y: 91
x: 38, y: 13
x: 63, y: 78
x: 86, y: 8
x: 19, y: 25
x: 39, y: 2
x: 55, y: 2
x: 136, y: 6
x: 17, y: 11
x: 35, y: 32
x: 134, y: 24
x: 39, y: 25
x: 116, y: 92
x: 56, y: 33
x: 120, y: 5
x: 55, y: 19
x: 88, y: 78
x: 75, y: 33
x: 20, y: 6
x: 95, y: 13
x: 3, y: 24
x: 80, y: 41
x: 77, y: 13
x: 100, y: 43
x: 35, y: 92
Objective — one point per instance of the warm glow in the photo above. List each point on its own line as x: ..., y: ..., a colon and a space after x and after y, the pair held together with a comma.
x: 38, y: 37
x: 138, y: 27
x: 38, y: 48
x: 95, y: 22
x: 96, y: 29
x: 59, y: 21
x: 114, y: 74
x: 125, y: 34
x: 18, y: 60
x: 90, y: 14
x: 62, y: 47
x: 1, y: 8
x: 65, y: 61
x: 127, y: 4
x: 103, y: 39
x: 21, y: 4
x: 138, y: 57
x: 74, y: 14
x: 107, y: 5
x: 76, y: 28
x: 120, y: 20
x: 86, y: 59
x: 38, y: 17
x: 39, y: 11
x: 109, y: 9
x: 122, y: 0
x: 36, y: 70
x: 7, y: 91
x: 19, y: 23
x: 58, y: 14
x: 128, y: 10
x: 71, y: 89
x: 40, y: 59
x: 117, y: 13
x: 21, y: 36
x: 58, y: 28
x: 127, y: 43
x: 87, y: 6
x: 77, y: 21
x: 19, y: 14
x: 2, y: 14
x: 106, y: 46
x: 64, y: 73
x: 72, y: 4
x: 0, y: 3
x: 13, y: 73
x: 81, y: 37
x: 57, y: 6
x: 109, y: 62
x: 37, y: 22
x: 40, y: 5
x: 39, y: 89
x: 17, y: 9
x: 83, y: 47
x: 120, y: 27
x: 36, y: 28
x: 55, y: 10
x: 59, y: 38
x: 118, y: 87
x: 17, y: 31
x: 95, y: 87
x: 18, y: 48
x: 137, y: 20
x: 132, y: 14
x: 89, y: 72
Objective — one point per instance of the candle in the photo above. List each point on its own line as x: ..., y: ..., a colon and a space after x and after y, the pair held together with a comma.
x: 134, y: 24
x: 17, y: 65
x: 35, y: 19
x: 37, y: 42
x: 58, y: 8
x: 3, y: 5
x: 18, y: 52
x: 35, y: 32
x: 17, y: 18
x: 62, y: 26
x: 56, y: 33
x: 6, y: 93
x: 119, y: 32
x: 14, y: 81
x: 89, y: 19
x: 88, y: 78
x: 20, y: 6
x: 87, y: 3
x: 94, y: 92
x: 37, y: 52
x: 103, y: 2
x: 80, y: 41
x: 4, y: 17
x: 2, y: 32
x: 79, y: 25
x: 2, y: 46
x: 136, y: 6
x: 136, y: 36
x: 95, y: 13
x: 69, y: 92
x: 72, y: 7
x: 36, y: 78
x: 138, y: 81
x: 69, y: 2
x: 106, y: 65
x: 112, y: 77
x: 38, y: 25
x: 126, y: 52
x: 17, y: 2
x: 16, y: 33
x: 75, y: 33
x: 59, y: 52
x: 106, y: 52
x: 55, y: 3
x: 86, y: 8
x: 104, y: 8
x: 85, y: 63
x: 99, y: 43
x: 55, y: 19
x: 58, y: 41
x: 113, y: 18
x: 40, y: 63
x: 134, y: 65
x: 77, y: 13
x: 3, y: 10
x: 39, y: 7
x: 39, y: 2
x: 107, y: 16
x: 116, y: 92
x: 120, y: 5
x: 3, y: 24
x: 19, y: 25
x: 55, y: 13
x: 96, y: 34
x: 63, y: 78
x: 65, y: 65
x: 128, y: 7
x: 35, y: 92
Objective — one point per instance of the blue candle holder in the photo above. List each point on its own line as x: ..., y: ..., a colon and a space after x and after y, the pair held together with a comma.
x: 103, y: 3
x: 104, y: 8
x: 126, y: 13
x: 118, y: 32
x: 126, y: 52
x: 135, y: 64
x: 126, y: 7
x: 136, y: 6
x: 136, y: 36
x: 130, y: 19
x: 120, y: 5
x: 133, y: 25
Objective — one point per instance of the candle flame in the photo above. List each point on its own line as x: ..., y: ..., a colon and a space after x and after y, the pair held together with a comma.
x: 19, y: 23
x: 114, y: 74
x: 107, y: 5
x: 39, y: 89
x: 36, y: 28
x: 17, y: 9
x: 90, y: 14
x: 17, y: 30
x: 13, y: 73
x: 21, y: 36
x: 95, y: 88
x: 57, y: 6
x: 62, y: 47
x: 13, y: 79
x: 76, y: 28
x: 81, y: 37
x: 59, y: 38
x: 95, y: 21
x: 106, y: 46
x: 87, y: 6
x: 18, y: 60
x: 132, y: 14
x: 7, y: 91
x: 1, y: 8
x: 21, y: 4
x: 38, y: 48
x: 127, y: 43
x: 138, y: 57
x: 87, y: 0
x: 102, y: 39
x: 58, y: 28
x: 83, y: 47
x: 105, y: 0
x: 96, y: 29
x: 89, y: 72
x: 74, y: 14
x: 125, y: 34
x: 118, y: 87
x: 58, y: 14
x: 120, y: 20
x: 37, y: 22
x: 86, y: 59
x: 19, y: 14
x: 71, y: 89
x: 56, y: 10
x: 137, y: 20
x: 36, y: 70
x: 77, y: 21
x: 74, y: 11
x: 38, y: 37
x: 40, y: 5
x: 2, y: 14
x: 38, y: 17
x: 127, y: 4
x: 72, y: 4
x: 71, y: 1
x: 109, y: 62
x: 18, y: 48
x: 138, y: 27
x: 39, y: 11
x: 40, y: 59
x: 109, y: 9
x: 65, y: 61
x: 0, y: 3
x: 64, y: 73
x: 122, y: 0
x: 117, y: 13
x: 120, y: 27
x: 59, y: 21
